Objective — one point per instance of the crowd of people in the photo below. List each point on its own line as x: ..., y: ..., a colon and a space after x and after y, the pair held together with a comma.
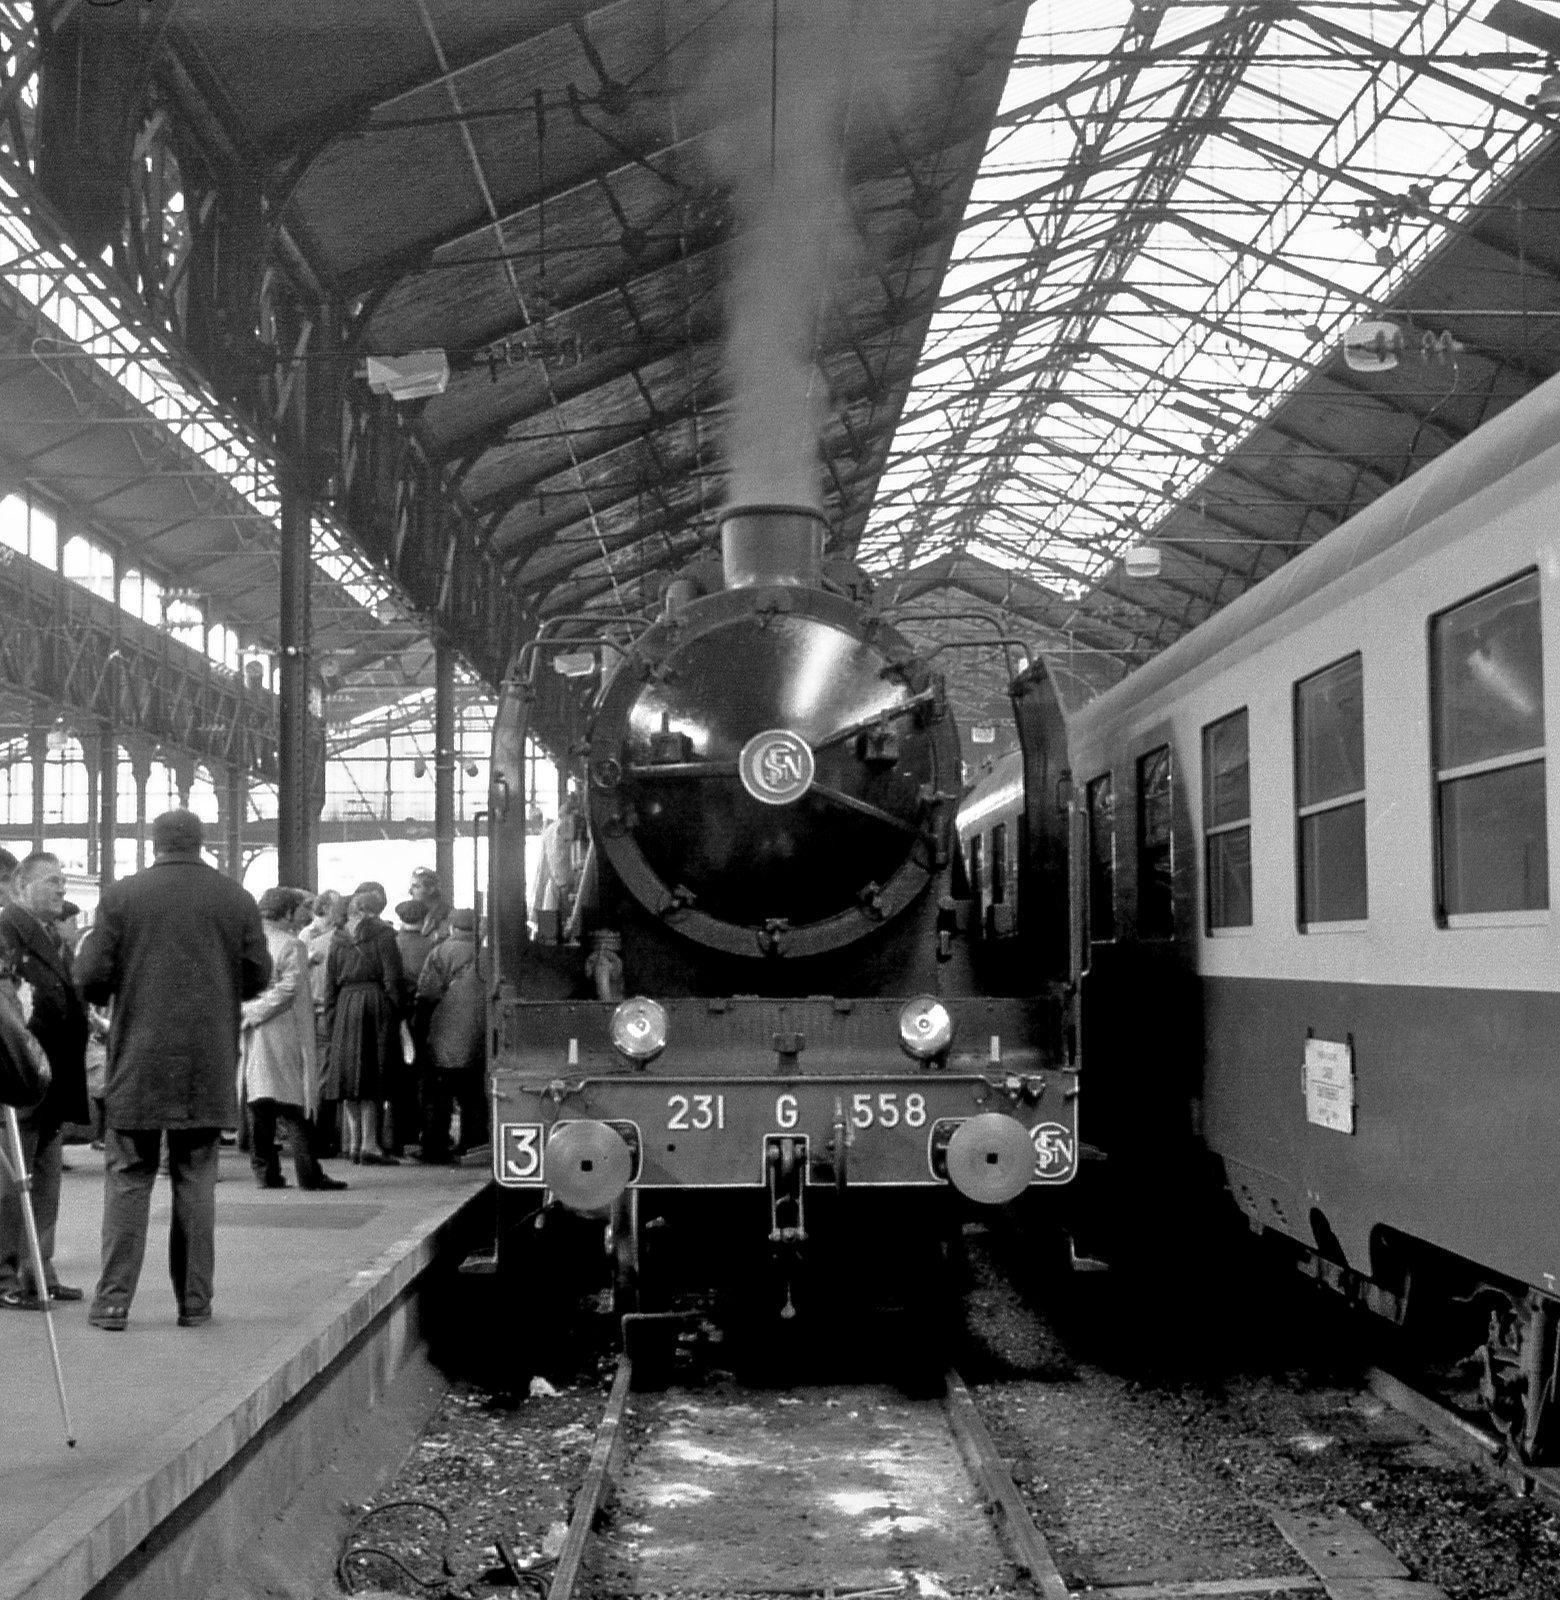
x: 302, y: 1024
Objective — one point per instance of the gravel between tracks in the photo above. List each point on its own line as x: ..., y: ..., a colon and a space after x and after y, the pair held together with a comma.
x: 1161, y: 1459
x: 1151, y: 1445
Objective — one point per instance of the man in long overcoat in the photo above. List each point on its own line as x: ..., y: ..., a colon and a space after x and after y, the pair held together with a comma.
x: 177, y: 949
x: 32, y: 951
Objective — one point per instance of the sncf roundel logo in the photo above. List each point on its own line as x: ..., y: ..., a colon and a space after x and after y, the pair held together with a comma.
x: 776, y: 767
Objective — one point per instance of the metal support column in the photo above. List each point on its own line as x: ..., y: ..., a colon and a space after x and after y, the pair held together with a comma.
x: 235, y: 802
x: 183, y: 768
x: 92, y: 761
x: 444, y: 766
x: 294, y: 837
x: 108, y: 798
x: 139, y: 753
x: 38, y: 752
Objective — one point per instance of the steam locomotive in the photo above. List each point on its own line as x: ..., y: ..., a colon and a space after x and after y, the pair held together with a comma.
x: 764, y: 1042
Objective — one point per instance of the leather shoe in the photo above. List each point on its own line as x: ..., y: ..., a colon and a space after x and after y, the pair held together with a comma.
x: 194, y: 1319
x: 272, y: 1180
x: 64, y: 1291
x: 325, y: 1182
x: 20, y: 1300
x: 111, y: 1319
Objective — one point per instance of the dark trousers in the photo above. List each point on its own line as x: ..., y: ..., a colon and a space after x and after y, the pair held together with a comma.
x: 438, y: 1101
x: 268, y: 1118
x: 42, y: 1148
x: 324, y: 1131
x: 131, y: 1158
x: 471, y: 1095
x: 403, y: 1091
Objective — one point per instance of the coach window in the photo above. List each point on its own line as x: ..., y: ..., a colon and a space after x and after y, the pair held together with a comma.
x: 1487, y: 689
x: 1330, y: 793
x: 999, y: 864
x: 977, y: 867
x: 1156, y: 850
x: 1102, y: 858
x: 1227, y: 821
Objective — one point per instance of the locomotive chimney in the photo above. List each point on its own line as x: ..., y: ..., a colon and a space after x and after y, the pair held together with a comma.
x: 772, y: 545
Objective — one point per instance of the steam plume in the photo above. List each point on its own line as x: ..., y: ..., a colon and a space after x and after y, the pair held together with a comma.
x: 782, y: 82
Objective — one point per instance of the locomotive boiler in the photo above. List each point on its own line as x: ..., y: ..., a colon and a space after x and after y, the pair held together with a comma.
x: 760, y: 1049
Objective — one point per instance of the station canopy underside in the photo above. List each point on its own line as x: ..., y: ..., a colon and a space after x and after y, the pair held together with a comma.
x: 1008, y: 291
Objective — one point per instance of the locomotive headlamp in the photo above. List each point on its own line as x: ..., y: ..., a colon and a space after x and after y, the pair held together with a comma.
x: 639, y: 1028
x: 925, y: 1027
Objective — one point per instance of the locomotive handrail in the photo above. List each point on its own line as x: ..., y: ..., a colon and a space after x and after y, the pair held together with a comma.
x: 533, y: 647
x: 925, y: 697
x: 477, y: 818
x: 867, y: 809
x: 1006, y: 640
x: 682, y: 769
x: 729, y: 769
x: 587, y: 886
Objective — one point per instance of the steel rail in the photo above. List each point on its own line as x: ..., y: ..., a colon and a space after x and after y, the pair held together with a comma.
x: 996, y: 1483
x: 1465, y: 1436
x: 596, y: 1490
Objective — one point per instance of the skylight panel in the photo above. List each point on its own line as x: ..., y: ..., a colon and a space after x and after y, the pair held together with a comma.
x: 1289, y: 214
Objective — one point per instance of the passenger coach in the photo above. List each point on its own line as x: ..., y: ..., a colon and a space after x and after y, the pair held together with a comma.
x: 1312, y: 856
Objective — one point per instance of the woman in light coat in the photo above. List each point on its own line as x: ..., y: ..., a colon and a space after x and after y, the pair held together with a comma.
x: 278, y: 1073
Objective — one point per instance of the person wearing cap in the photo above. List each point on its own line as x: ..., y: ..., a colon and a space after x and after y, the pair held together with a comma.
x: 177, y: 948
x: 32, y: 951
x: 278, y: 1071
x: 451, y: 990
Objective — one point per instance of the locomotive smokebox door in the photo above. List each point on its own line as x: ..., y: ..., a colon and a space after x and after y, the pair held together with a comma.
x: 772, y: 768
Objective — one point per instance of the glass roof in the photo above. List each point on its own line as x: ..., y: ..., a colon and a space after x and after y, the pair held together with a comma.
x: 1180, y: 209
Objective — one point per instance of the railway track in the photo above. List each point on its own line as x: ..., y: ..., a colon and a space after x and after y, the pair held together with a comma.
x: 861, y: 1493
x: 850, y: 1490
x: 1257, y: 1458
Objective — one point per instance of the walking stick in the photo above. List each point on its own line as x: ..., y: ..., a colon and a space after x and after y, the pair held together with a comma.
x: 15, y: 1164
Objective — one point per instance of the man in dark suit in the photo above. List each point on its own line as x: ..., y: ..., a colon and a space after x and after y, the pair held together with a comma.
x: 32, y: 952
x: 176, y: 948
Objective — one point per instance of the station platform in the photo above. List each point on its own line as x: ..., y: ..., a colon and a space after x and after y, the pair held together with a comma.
x: 314, y: 1295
